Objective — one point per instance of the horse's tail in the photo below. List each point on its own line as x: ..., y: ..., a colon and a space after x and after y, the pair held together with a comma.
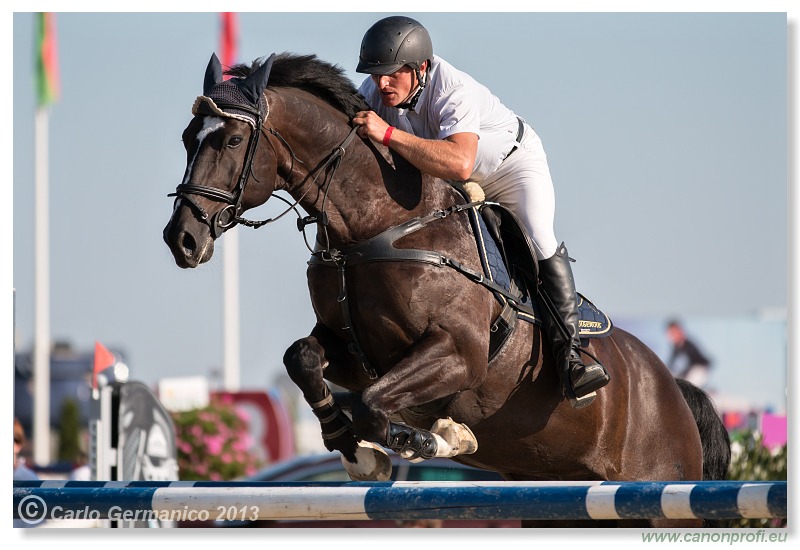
x: 713, y: 435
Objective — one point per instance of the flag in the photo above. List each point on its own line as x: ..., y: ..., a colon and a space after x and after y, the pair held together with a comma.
x: 47, y: 82
x: 102, y: 360
x: 229, y: 39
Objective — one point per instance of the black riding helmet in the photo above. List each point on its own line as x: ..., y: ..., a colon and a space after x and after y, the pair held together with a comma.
x: 392, y: 43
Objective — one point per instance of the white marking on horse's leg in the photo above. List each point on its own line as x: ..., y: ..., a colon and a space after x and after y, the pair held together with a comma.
x: 372, y: 463
x: 443, y: 449
x: 453, y: 438
x: 210, y: 124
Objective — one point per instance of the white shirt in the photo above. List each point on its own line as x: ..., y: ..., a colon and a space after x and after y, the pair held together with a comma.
x: 453, y: 102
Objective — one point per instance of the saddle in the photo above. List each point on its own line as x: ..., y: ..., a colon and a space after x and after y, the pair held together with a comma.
x: 508, y: 261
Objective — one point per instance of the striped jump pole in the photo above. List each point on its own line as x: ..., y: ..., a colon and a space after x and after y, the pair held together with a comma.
x: 177, y: 501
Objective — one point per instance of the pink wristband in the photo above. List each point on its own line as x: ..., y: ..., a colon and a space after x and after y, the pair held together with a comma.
x: 387, y: 137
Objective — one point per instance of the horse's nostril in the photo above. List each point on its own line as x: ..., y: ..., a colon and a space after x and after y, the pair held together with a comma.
x: 188, y: 243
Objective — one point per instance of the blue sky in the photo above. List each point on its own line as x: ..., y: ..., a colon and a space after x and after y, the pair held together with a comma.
x: 666, y: 135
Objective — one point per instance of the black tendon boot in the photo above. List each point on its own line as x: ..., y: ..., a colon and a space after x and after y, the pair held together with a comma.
x: 561, y: 326
x: 411, y: 443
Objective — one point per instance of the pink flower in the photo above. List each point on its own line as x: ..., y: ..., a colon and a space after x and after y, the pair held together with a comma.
x: 214, y: 444
x: 243, y: 443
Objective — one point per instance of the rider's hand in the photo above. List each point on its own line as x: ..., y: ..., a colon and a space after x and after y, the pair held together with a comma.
x: 370, y: 125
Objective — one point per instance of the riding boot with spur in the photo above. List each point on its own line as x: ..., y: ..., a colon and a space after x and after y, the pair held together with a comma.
x: 561, y: 326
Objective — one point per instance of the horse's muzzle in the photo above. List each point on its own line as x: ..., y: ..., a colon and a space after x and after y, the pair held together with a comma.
x: 189, y: 241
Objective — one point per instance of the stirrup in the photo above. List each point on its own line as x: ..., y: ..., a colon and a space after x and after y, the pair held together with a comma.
x: 580, y: 388
x: 590, y: 378
x: 578, y: 402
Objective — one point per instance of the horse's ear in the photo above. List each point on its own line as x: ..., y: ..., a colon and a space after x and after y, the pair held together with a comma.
x: 213, y: 74
x: 254, y: 85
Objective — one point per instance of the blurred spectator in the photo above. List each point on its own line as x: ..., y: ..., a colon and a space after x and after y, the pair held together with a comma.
x: 21, y: 471
x: 686, y: 360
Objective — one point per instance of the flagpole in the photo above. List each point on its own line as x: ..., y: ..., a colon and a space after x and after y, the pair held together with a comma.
x: 230, y: 317
x: 231, y: 362
x: 41, y: 353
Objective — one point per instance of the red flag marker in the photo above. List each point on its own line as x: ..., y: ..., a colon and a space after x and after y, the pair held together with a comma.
x: 102, y: 360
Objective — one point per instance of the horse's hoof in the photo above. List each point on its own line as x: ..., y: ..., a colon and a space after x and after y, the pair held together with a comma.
x: 372, y: 463
x: 581, y: 402
x: 458, y: 437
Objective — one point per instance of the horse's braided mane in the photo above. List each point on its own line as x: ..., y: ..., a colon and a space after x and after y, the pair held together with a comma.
x: 309, y: 73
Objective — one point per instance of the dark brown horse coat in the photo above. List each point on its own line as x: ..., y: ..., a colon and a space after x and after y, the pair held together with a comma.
x: 425, y: 329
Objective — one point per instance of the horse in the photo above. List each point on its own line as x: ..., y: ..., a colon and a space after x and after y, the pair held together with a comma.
x: 407, y: 337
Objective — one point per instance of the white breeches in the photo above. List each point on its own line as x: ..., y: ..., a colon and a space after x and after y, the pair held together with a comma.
x: 697, y: 375
x: 522, y: 184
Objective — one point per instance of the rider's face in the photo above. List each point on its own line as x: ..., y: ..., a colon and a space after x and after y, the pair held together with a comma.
x: 396, y: 87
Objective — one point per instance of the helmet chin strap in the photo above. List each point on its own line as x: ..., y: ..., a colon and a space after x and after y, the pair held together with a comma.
x: 414, y: 95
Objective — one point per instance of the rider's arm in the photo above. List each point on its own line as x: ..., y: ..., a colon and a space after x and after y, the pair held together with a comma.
x: 451, y: 158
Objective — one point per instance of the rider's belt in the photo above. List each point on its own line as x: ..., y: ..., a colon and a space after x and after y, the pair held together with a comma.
x: 520, y: 133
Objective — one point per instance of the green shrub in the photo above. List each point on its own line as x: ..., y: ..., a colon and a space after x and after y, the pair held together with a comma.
x: 69, y: 432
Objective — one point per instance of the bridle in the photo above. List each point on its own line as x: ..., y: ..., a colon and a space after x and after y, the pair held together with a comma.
x: 231, y: 214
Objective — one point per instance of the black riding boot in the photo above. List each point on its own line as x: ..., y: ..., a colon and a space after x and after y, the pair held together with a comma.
x: 580, y: 381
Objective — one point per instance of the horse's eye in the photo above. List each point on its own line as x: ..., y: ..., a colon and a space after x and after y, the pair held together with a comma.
x: 234, y: 141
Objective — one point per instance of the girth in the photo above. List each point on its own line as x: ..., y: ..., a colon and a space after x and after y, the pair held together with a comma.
x: 380, y: 248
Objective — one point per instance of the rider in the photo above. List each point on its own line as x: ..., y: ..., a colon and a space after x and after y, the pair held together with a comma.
x: 450, y: 126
